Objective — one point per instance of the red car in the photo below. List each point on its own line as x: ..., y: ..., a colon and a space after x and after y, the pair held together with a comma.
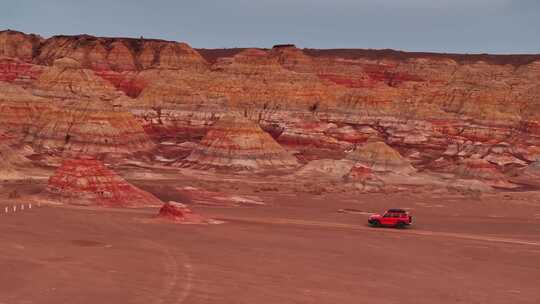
x: 398, y: 218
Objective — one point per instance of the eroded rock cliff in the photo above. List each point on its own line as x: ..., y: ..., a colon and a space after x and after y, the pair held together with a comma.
x: 434, y: 109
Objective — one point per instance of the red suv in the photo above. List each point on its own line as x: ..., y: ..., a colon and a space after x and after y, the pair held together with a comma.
x: 398, y: 218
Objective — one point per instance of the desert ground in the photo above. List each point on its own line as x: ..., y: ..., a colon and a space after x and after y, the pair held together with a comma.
x: 298, y: 247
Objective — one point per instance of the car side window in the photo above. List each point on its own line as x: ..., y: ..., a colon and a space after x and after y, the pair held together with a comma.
x: 387, y: 215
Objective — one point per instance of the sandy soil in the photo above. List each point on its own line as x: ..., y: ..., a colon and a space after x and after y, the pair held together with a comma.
x: 298, y: 248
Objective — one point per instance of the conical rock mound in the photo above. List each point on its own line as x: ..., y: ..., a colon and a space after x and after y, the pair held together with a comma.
x: 87, y: 181
x: 380, y: 157
x: 237, y: 143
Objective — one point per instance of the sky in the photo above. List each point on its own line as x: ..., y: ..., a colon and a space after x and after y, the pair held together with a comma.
x: 456, y: 26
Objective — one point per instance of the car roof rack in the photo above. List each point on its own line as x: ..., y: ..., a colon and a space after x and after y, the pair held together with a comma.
x: 397, y: 210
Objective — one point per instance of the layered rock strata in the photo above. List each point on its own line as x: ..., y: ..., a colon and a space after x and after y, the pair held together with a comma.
x: 422, y: 104
x: 88, y: 128
x: 87, y: 181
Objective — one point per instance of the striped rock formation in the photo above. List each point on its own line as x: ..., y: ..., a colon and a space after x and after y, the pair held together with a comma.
x: 423, y: 104
x: 380, y: 157
x: 87, y: 181
x: 238, y: 143
x: 119, y: 54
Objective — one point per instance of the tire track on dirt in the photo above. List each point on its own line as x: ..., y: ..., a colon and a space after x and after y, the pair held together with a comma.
x: 172, y: 290
x: 178, y: 276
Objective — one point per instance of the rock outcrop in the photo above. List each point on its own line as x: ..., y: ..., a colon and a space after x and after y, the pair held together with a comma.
x: 11, y: 163
x: 238, y: 143
x: 18, y: 45
x: 179, y: 213
x: 119, y: 54
x: 87, y: 181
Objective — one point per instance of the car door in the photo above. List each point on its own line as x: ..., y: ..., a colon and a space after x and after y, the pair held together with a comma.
x: 388, y: 219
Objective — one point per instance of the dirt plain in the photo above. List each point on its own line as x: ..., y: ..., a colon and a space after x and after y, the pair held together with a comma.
x: 299, y: 247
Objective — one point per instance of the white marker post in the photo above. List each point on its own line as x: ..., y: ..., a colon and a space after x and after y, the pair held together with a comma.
x: 6, y: 210
x: 29, y: 205
x: 22, y: 207
x: 14, y: 208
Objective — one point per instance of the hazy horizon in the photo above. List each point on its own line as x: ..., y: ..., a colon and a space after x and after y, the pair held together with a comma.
x: 444, y: 26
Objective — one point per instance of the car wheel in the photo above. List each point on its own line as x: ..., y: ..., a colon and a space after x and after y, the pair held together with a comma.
x: 400, y: 225
x: 375, y: 224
